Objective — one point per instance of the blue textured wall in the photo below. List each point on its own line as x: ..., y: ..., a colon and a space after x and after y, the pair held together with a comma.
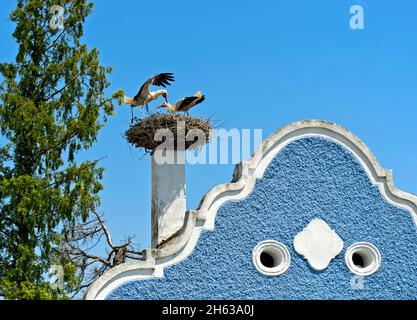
x: 312, y: 177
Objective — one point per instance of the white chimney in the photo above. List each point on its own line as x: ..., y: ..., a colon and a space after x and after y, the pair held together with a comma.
x: 168, y: 197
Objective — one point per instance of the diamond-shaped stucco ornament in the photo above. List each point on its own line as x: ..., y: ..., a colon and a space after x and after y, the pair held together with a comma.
x: 318, y: 244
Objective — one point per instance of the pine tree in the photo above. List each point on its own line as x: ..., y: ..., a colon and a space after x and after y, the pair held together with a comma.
x: 52, y: 106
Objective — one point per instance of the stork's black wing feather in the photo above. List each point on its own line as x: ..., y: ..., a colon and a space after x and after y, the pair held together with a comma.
x: 186, y: 101
x: 161, y: 79
x: 139, y: 92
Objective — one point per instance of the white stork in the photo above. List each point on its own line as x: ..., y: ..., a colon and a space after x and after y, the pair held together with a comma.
x: 144, y: 96
x: 184, y: 104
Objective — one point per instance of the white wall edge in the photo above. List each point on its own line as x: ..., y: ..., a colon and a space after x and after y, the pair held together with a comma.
x: 244, y: 178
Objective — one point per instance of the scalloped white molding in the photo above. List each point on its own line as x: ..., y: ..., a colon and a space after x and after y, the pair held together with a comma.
x: 244, y: 178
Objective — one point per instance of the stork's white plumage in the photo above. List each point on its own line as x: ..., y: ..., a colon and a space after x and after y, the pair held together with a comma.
x: 144, y: 95
x: 184, y: 104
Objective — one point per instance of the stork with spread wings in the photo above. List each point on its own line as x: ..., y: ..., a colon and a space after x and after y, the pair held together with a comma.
x: 144, y: 95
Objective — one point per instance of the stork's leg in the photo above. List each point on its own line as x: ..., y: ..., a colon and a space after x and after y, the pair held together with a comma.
x: 186, y: 112
x: 131, y: 109
x: 147, y: 108
x: 141, y: 111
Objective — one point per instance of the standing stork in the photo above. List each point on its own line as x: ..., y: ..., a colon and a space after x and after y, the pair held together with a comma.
x: 184, y: 104
x: 144, y: 95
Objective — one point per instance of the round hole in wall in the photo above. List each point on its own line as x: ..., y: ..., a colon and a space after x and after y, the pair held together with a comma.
x: 267, y: 260
x: 363, y: 258
x: 271, y: 258
x: 358, y: 260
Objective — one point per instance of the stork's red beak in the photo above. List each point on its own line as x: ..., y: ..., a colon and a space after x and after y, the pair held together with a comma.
x: 164, y: 105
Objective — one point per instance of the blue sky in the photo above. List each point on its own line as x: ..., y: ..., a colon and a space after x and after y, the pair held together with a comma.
x: 261, y: 65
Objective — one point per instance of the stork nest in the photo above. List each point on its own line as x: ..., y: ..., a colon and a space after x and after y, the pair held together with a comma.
x: 142, y: 133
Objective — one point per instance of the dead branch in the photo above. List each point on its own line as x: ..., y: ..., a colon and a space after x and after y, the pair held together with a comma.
x: 79, y: 239
x: 104, y: 228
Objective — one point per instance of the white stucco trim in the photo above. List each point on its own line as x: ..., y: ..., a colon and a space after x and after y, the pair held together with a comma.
x: 244, y: 178
x: 318, y: 243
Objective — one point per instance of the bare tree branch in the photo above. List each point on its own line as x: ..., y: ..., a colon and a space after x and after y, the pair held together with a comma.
x: 104, y: 228
x: 81, y: 238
